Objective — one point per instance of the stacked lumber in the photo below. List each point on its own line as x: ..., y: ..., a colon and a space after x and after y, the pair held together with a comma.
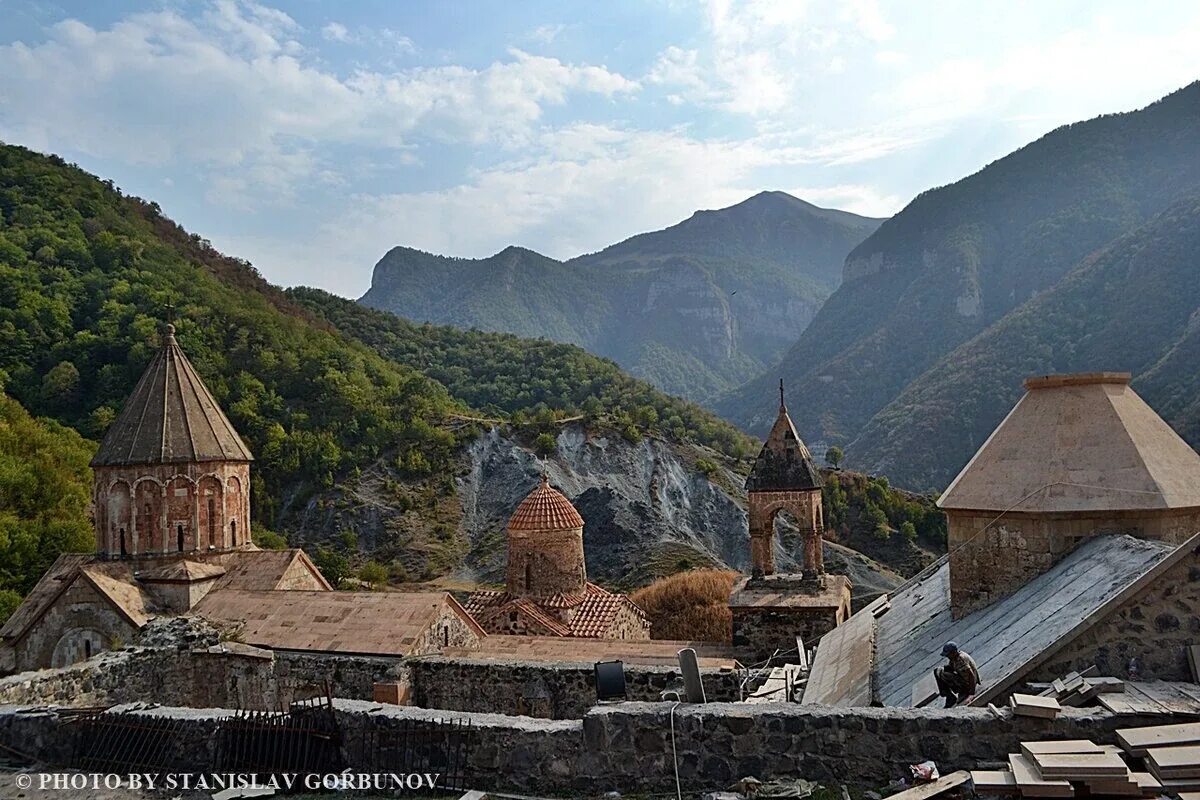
x: 1171, y: 752
x: 1032, y: 705
x: 1080, y: 688
x: 1061, y: 768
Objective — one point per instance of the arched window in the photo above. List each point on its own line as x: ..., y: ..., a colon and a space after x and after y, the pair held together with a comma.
x: 212, y: 522
x: 446, y: 636
x: 528, y: 576
x: 123, y: 551
x: 87, y: 649
x: 233, y: 531
x: 179, y: 535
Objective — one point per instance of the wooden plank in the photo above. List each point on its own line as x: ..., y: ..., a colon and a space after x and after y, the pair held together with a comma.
x: 924, y: 691
x: 1137, y: 741
x: 1031, y: 784
x: 994, y: 781
x: 841, y: 669
x: 1167, y: 696
x: 1035, y: 749
x: 1193, y: 657
x: 934, y: 788
x: 1117, y: 703
x: 1030, y: 705
x: 1140, y: 693
x: 1148, y: 782
x: 1080, y: 766
x: 1174, y: 762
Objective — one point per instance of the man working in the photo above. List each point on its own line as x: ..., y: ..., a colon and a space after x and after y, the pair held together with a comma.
x: 959, y: 678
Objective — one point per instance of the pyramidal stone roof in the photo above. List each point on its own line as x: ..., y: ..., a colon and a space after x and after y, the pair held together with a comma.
x: 784, y: 463
x: 545, y: 509
x: 170, y: 418
x: 1079, y: 443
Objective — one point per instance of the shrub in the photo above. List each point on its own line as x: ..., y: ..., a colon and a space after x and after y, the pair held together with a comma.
x: 689, y: 605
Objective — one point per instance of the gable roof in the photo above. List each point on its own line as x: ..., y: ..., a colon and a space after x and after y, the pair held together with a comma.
x: 784, y: 463
x: 365, y: 623
x: 1005, y: 636
x: 170, y: 418
x: 1077, y: 443
x: 48, y: 588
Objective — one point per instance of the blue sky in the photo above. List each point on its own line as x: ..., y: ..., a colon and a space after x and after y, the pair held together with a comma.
x: 309, y: 137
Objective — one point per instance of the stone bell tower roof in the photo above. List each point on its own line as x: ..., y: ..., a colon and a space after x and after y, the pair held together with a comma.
x: 170, y: 418
x: 784, y: 463
x: 545, y: 509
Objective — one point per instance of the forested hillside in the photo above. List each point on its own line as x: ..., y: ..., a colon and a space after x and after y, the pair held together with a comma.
x: 694, y: 309
x: 961, y: 257
x: 523, y: 380
x: 45, y: 488
x: 87, y: 276
x: 1132, y: 307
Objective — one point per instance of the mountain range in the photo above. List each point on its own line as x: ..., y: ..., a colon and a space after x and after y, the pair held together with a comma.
x: 374, y: 437
x: 1077, y: 252
x: 696, y: 309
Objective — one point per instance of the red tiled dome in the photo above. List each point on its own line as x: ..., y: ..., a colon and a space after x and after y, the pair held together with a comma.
x: 545, y: 509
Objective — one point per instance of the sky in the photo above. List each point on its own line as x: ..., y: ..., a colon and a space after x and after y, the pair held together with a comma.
x: 310, y: 137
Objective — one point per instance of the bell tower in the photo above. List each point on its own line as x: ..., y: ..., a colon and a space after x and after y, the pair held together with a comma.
x: 784, y: 478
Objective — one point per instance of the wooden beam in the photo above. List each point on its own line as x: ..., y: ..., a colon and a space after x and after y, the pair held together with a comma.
x: 933, y: 789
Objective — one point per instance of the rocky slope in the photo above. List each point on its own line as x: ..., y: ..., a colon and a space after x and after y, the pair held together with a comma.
x: 649, y: 512
x: 695, y: 309
x: 961, y: 257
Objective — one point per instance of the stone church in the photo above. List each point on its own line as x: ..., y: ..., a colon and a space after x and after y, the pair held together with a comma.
x: 171, y: 505
x: 547, y: 592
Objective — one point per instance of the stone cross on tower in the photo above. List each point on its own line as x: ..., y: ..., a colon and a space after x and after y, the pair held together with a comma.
x: 784, y: 478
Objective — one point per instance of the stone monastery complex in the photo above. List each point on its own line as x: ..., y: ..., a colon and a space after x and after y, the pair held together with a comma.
x: 1074, y: 549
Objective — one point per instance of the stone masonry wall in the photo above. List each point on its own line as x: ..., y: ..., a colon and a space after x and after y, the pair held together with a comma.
x: 1022, y: 546
x: 538, y: 689
x: 1154, y: 628
x: 80, y: 613
x: 633, y: 747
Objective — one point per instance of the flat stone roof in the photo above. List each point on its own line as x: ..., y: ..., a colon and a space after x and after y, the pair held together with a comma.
x: 786, y: 590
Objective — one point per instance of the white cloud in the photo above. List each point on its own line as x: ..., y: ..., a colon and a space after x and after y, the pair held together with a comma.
x: 857, y: 198
x: 336, y: 32
x: 233, y: 91
x: 546, y: 34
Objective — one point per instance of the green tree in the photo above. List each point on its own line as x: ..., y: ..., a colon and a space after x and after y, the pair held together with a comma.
x: 834, y: 456
x: 545, y: 444
x: 267, y: 539
x: 333, y: 565
x: 373, y: 574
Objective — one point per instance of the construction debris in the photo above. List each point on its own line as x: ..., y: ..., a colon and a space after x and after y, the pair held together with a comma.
x: 1138, y: 741
x: 1063, y: 768
x: 928, y: 790
x: 1031, y: 705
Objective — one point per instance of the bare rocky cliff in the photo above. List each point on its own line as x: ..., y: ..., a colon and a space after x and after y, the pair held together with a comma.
x: 649, y: 511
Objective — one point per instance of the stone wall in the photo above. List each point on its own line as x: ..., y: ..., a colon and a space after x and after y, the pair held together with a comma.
x: 231, y: 675
x: 540, y: 689
x: 1154, y: 628
x: 227, y: 676
x: 1022, y: 546
x: 634, y: 747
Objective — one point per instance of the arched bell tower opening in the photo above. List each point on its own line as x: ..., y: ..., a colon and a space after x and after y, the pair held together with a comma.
x: 784, y: 478
x: 772, y: 611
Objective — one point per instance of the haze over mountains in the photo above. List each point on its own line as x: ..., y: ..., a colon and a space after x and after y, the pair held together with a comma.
x: 696, y: 309
x: 1077, y: 252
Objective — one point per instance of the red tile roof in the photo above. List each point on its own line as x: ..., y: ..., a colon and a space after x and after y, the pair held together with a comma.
x: 592, y: 615
x: 545, y: 509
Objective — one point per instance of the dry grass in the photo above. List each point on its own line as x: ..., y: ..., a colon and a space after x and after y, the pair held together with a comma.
x: 689, y: 605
